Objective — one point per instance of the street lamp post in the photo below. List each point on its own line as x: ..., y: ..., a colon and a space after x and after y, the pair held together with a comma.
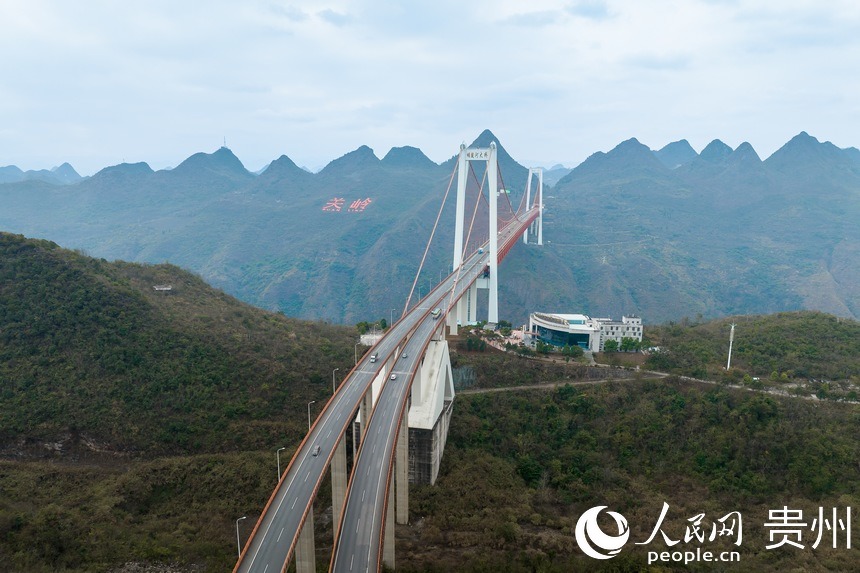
x: 309, y: 413
x: 355, y: 352
x: 332, y: 380
x: 278, y: 454
x: 239, y: 543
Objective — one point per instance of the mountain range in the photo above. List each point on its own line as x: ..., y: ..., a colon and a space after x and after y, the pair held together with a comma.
x: 63, y: 174
x: 662, y: 234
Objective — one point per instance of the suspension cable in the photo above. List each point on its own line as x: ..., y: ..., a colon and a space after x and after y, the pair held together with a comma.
x: 429, y: 241
x: 474, y: 213
x: 469, y: 234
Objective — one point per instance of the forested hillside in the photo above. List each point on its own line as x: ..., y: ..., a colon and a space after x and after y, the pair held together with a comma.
x: 786, y: 346
x: 93, y: 357
x: 139, y: 424
x: 521, y: 467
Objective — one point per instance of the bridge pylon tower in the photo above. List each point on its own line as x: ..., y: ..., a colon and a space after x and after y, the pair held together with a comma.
x: 464, y: 309
x: 403, y: 391
x: 536, y: 228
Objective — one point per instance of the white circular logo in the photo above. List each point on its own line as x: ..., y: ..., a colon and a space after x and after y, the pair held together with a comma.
x: 591, y: 538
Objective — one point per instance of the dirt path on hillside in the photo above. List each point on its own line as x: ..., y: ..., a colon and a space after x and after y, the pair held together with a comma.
x: 549, y: 385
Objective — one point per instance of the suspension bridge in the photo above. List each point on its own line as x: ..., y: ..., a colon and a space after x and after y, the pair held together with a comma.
x: 403, y: 383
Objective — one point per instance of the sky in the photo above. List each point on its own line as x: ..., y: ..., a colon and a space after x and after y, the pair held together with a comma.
x: 99, y: 82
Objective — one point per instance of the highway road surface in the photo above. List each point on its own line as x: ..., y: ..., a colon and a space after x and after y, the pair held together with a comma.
x: 274, y: 537
x: 358, y: 544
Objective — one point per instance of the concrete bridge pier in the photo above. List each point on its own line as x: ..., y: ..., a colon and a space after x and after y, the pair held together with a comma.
x: 305, y: 551
x: 365, y: 407
x: 338, y: 481
x: 430, y: 410
x: 401, y: 471
x: 388, y: 540
x: 473, y: 304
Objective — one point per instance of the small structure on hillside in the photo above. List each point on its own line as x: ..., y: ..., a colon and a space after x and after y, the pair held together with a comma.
x: 582, y: 330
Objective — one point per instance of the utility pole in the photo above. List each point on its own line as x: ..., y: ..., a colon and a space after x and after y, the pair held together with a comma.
x: 731, y: 340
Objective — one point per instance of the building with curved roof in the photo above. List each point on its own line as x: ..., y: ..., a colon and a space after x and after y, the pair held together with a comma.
x: 583, y: 331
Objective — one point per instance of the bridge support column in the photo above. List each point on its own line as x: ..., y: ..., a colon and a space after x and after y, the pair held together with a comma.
x: 462, y: 172
x: 401, y: 470
x: 463, y: 311
x: 492, y: 177
x: 338, y: 481
x: 537, y: 226
x: 365, y: 408
x: 452, y: 319
x: 540, y: 206
x: 473, y: 307
x: 388, y: 538
x: 305, y: 552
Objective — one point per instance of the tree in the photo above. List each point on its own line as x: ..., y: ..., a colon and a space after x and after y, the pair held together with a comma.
x: 383, y: 324
x: 629, y: 344
x: 475, y: 344
x: 569, y: 352
x: 610, y: 346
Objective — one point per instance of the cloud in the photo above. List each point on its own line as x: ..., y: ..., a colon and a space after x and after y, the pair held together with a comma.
x: 159, y: 80
x: 335, y: 18
x: 536, y: 19
x: 655, y: 62
x: 290, y: 12
x: 591, y: 9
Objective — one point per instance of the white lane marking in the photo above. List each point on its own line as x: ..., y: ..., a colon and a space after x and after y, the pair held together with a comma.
x: 351, y: 559
x: 307, y: 476
x: 266, y: 569
x: 286, y: 486
x: 279, y: 537
x: 364, y: 491
x: 294, y: 505
x: 358, y: 525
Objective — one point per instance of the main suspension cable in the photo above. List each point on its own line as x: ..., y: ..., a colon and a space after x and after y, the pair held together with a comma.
x: 429, y: 241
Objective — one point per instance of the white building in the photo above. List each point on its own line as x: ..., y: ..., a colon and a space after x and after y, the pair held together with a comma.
x: 583, y: 331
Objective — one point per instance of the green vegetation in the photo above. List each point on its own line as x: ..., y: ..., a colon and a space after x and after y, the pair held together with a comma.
x: 100, y: 374
x: 137, y: 425
x: 364, y: 327
x: 94, y: 517
x: 90, y: 352
x: 473, y: 344
x: 784, y: 346
x: 520, y: 467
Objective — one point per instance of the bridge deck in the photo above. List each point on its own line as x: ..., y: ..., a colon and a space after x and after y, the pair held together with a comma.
x: 273, y: 540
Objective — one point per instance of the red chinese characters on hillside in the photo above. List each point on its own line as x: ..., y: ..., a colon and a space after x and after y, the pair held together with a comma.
x: 359, y: 205
x: 336, y: 204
